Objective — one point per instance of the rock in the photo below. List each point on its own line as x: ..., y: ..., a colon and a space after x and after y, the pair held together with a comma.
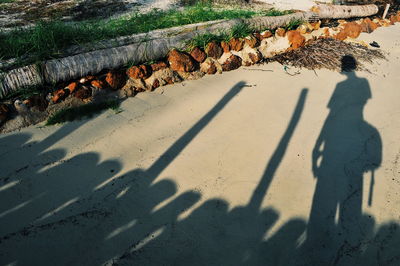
x: 156, y: 84
x: 4, y: 112
x: 210, y: 66
x: 351, y: 29
x: 180, y: 61
x: 266, y: 34
x: 326, y: 32
x: 303, y: 29
x: 233, y: 62
x: 236, y: 44
x: 280, y: 32
x: 86, y: 79
x: 115, y: 80
x: 252, y: 41
x: 258, y: 36
x: 158, y: 66
x: 368, y: 26
x: 83, y: 93
x: 226, y: 47
x: 98, y: 84
x: 127, y: 92
x: 255, y: 57
x: 38, y: 102
x: 214, y: 50
x: 72, y: 87
x: 59, y: 95
x: 315, y: 25
x: 139, y: 72
x: 191, y: 75
x: 393, y: 19
x: 198, y: 55
x: 20, y: 107
x: 377, y: 21
x: 169, y: 80
x: 272, y: 46
x: 296, y: 40
x: 164, y: 76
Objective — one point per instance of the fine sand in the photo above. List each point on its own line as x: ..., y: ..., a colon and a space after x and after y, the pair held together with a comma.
x: 217, y: 171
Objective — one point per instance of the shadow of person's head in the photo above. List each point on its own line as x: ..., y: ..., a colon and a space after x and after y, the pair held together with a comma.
x: 348, y: 64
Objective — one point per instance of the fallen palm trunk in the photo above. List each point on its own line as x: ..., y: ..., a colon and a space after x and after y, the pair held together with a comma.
x: 338, y: 11
x: 129, y: 50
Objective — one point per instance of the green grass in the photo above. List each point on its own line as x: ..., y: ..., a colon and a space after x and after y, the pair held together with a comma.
x: 238, y: 31
x: 293, y: 24
x: 47, y: 39
x: 87, y: 110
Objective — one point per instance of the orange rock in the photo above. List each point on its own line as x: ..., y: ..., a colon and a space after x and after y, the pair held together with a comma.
x: 59, y: 95
x: 98, y: 84
x: 115, y: 80
x: 236, y: 44
x: 296, y: 40
x: 72, y: 87
x: 198, y: 55
x: 280, y: 32
x: 226, y: 47
x: 139, y: 72
x: 233, y: 62
x: 214, y: 50
x: 180, y: 61
x: 266, y: 34
x: 368, y: 26
x: 158, y: 66
x: 351, y: 29
x: 252, y: 42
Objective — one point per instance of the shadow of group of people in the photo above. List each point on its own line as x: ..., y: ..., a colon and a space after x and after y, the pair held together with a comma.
x: 81, y: 212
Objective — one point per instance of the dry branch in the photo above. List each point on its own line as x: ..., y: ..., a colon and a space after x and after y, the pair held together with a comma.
x: 327, y: 53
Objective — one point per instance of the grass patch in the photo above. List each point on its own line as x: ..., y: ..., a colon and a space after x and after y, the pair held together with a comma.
x: 294, y: 24
x: 238, y: 31
x: 87, y: 110
x: 47, y: 39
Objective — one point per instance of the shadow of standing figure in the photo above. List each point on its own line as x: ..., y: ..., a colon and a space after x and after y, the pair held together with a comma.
x: 347, y: 147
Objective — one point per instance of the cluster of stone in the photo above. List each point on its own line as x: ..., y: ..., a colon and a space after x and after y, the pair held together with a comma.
x: 217, y: 57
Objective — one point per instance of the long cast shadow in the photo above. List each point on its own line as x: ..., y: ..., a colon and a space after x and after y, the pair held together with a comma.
x: 68, y: 208
x: 213, y: 235
x: 347, y: 147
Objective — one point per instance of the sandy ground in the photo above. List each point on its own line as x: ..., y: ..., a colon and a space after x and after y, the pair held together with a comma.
x: 252, y: 167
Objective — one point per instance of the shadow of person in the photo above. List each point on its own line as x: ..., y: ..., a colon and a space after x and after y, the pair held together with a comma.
x: 347, y: 147
x: 214, y: 235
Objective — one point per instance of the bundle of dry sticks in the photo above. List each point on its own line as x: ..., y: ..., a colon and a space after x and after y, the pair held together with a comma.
x: 327, y: 53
